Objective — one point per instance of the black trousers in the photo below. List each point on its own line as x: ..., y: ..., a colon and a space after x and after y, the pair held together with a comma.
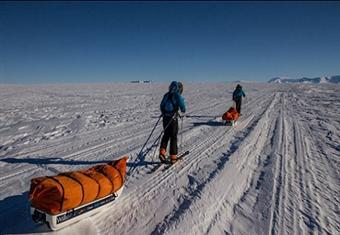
x: 238, y: 105
x: 170, y: 133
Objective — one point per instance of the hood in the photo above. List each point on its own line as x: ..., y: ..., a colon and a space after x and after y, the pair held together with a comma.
x: 173, y: 88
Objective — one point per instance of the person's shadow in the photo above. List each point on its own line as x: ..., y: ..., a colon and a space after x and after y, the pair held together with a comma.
x: 47, y: 161
x: 208, y: 123
x: 57, y: 161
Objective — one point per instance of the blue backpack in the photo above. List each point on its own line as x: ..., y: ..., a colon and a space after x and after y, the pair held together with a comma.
x: 172, y: 101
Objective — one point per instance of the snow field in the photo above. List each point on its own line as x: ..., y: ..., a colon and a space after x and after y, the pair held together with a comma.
x: 275, y: 172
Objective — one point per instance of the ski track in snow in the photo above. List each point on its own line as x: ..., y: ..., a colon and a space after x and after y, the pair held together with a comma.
x: 275, y: 172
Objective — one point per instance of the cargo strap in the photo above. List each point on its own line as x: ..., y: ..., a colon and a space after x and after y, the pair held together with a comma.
x: 76, y: 180
x: 62, y: 198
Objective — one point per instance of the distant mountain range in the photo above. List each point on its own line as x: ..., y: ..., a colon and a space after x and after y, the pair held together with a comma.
x: 318, y: 80
x: 241, y: 81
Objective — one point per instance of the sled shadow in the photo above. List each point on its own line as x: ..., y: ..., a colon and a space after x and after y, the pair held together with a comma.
x: 209, y: 123
x: 15, y: 217
x: 47, y: 161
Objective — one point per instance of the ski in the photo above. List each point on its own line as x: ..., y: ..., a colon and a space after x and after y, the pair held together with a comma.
x: 167, y: 164
x: 156, y: 167
x: 178, y: 159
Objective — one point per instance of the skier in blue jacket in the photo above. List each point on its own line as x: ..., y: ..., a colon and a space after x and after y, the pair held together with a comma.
x: 171, y: 103
x: 237, y: 97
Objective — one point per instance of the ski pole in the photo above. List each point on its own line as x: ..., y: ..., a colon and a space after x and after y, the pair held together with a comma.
x: 181, y: 144
x: 154, y: 152
x: 150, y: 135
x: 137, y: 158
x: 157, y: 139
x: 166, y: 127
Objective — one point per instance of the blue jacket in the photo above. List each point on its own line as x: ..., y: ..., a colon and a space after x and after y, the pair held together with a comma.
x: 238, y: 93
x: 172, y: 101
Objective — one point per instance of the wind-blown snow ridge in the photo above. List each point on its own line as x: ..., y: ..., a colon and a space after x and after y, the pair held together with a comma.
x: 275, y: 172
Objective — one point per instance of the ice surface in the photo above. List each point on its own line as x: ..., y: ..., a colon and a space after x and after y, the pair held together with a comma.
x: 276, y: 172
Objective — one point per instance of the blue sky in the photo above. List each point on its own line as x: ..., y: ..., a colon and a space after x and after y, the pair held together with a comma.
x: 58, y: 42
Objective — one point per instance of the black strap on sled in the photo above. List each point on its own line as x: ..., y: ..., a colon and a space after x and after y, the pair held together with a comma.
x: 62, y: 198
x: 120, y: 173
x: 100, y: 170
x: 94, y: 180
x: 68, y: 175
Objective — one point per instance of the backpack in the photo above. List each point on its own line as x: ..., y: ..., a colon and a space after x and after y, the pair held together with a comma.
x: 237, y: 94
x: 168, y: 106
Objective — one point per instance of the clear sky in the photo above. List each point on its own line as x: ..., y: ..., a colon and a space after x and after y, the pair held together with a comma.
x: 162, y: 41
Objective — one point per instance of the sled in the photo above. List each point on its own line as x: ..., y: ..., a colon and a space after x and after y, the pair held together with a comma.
x: 68, y: 197
x: 56, y: 222
x: 231, y: 116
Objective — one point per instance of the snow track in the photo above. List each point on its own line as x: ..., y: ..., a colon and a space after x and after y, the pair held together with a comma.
x: 275, y: 172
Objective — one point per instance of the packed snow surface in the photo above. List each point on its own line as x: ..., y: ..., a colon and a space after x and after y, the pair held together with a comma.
x: 276, y: 172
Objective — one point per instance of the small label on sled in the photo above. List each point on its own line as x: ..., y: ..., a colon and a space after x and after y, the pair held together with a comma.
x: 76, y: 212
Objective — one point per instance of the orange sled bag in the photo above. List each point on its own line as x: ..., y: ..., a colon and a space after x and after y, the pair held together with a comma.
x: 56, y: 194
x: 231, y: 115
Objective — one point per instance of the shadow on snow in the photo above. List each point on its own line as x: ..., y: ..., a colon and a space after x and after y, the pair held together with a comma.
x: 15, y: 217
x: 209, y: 123
x: 46, y: 161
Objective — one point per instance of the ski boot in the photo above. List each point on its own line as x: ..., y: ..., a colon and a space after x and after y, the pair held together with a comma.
x: 162, y: 153
x: 173, y: 158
